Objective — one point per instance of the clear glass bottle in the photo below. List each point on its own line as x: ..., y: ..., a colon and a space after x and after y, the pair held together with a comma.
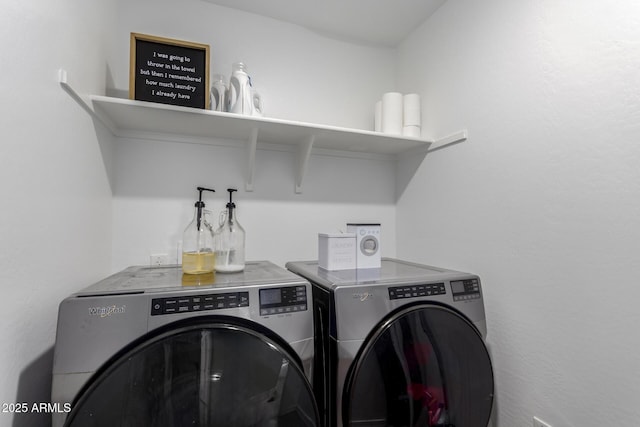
x: 198, y: 251
x: 230, y: 240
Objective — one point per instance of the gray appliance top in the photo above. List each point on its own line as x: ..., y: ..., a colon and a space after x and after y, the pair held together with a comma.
x: 391, y: 271
x: 170, y: 278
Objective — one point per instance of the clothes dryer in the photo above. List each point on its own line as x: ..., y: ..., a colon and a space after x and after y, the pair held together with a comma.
x: 402, y: 345
x: 151, y: 347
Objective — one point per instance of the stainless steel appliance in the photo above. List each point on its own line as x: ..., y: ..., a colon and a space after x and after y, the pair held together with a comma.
x: 402, y: 345
x: 154, y: 347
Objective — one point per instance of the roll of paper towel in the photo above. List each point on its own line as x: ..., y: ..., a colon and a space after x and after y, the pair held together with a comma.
x: 412, y: 131
x: 411, y: 110
x: 392, y: 113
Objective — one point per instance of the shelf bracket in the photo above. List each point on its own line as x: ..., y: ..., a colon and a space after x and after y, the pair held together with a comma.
x: 252, y: 145
x: 449, y: 140
x: 64, y: 84
x: 304, y: 151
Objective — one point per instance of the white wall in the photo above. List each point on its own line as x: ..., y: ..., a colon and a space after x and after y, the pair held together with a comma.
x: 155, y: 192
x: 302, y: 76
x: 543, y: 201
x: 55, y: 221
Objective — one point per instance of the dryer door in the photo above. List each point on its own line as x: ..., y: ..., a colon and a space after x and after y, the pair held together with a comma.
x: 217, y: 374
x: 426, y: 365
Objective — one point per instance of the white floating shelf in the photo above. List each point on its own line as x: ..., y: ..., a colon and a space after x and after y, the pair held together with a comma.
x: 140, y: 116
x: 129, y: 118
x: 126, y: 117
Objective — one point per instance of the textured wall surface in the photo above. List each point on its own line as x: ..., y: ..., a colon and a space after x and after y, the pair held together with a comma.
x: 55, y: 221
x: 543, y: 201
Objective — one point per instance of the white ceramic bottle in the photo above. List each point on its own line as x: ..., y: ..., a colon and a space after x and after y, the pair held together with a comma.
x: 243, y: 99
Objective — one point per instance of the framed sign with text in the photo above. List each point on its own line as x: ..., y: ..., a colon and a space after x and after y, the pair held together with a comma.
x: 169, y: 71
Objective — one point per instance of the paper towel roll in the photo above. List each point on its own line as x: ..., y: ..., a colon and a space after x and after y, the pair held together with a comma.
x: 412, y: 131
x: 411, y: 110
x: 377, y: 124
x: 392, y: 113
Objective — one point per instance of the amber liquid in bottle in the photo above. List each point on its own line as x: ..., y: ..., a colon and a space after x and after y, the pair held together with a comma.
x: 198, y: 262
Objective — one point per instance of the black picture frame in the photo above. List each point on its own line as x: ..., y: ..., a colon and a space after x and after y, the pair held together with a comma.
x: 169, y: 71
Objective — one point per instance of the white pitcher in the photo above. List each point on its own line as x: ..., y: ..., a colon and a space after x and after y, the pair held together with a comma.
x: 218, y: 93
x: 242, y: 98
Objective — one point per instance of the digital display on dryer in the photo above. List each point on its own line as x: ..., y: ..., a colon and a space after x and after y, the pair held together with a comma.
x: 457, y: 287
x: 465, y: 289
x: 270, y: 296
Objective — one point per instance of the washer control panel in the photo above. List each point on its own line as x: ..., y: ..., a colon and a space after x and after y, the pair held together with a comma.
x: 413, y: 291
x: 464, y: 290
x: 186, y: 304
x: 283, y: 300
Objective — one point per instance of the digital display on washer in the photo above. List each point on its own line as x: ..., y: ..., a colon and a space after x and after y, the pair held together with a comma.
x: 283, y: 300
x: 465, y: 289
x: 191, y: 303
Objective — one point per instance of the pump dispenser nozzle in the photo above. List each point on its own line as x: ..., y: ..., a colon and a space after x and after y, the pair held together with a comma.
x: 200, y: 204
x: 231, y: 206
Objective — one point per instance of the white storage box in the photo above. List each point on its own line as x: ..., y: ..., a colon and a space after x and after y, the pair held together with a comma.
x: 337, y: 251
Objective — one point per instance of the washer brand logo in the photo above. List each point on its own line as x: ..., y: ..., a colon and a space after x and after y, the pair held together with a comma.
x: 363, y: 296
x: 107, y: 311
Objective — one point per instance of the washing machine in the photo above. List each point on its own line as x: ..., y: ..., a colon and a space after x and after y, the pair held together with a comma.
x: 153, y: 347
x: 400, y: 345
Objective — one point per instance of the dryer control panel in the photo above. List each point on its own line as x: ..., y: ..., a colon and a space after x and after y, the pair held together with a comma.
x: 413, y: 291
x: 186, y: 304
x: 283, y: 300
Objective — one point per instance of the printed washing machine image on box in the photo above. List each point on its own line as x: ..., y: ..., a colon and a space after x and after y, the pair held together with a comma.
x: 367, y: 244
x: 404, y: 348
x: 149, y: 347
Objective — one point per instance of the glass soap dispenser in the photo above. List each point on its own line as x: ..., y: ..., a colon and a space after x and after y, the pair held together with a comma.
x: 230, y: 239
x: 198, y: 256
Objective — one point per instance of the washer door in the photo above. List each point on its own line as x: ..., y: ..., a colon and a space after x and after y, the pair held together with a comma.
x: 216, y: 374
x: 426, y: 365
